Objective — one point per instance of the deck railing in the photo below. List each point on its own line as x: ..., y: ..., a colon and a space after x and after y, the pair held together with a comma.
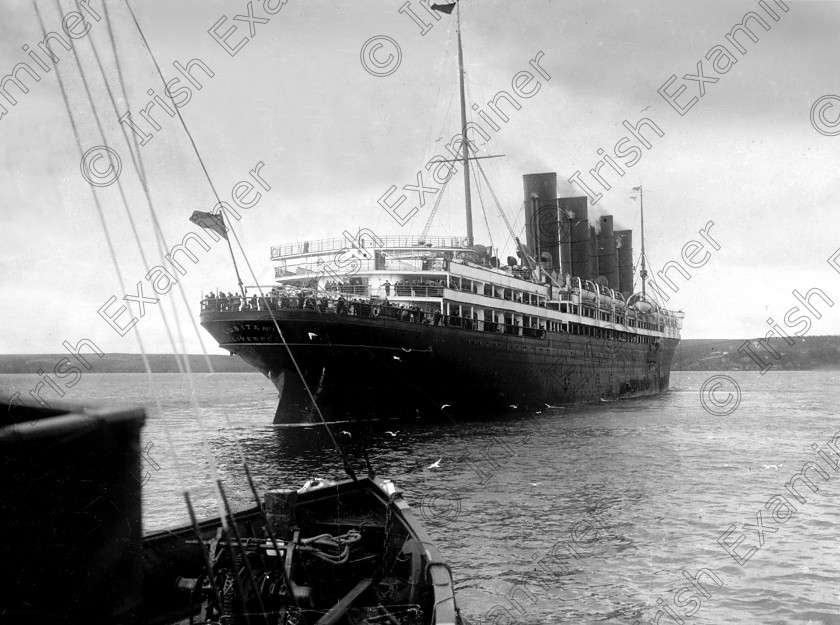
x: 601, y: 311
x: 342, y: 243
x: 312, y: 270
x: 397, y: 290
x: 354, y: 308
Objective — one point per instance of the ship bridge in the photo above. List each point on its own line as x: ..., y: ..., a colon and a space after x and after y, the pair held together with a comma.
x: 364, y: 243
x: 368, y: 265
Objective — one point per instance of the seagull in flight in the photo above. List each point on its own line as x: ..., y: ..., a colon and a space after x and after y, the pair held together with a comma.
x: 393, y: 434
x: 539, y: 412
x: 446, y: 406
x: 644, y: 109
x: 397, y: 358
x: 346, y: 433
x: 435, y: 465
x: 514, y: 406
x: 313, y: 336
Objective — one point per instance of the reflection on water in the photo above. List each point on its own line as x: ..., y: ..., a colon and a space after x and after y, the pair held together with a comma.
x: 577, y: 515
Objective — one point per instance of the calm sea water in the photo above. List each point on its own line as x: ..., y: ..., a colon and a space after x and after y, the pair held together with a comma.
x: 584, y: 515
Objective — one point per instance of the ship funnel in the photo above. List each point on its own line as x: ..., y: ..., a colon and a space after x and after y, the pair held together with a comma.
x: 624, y: 245
x: 607, y: 261
x: 575, y: 215
x: 541, y: 216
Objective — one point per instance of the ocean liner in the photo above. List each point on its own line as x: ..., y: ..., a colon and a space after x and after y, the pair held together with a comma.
x: 385, y: 326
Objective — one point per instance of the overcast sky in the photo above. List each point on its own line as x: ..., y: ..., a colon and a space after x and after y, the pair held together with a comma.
x: 334, y: 138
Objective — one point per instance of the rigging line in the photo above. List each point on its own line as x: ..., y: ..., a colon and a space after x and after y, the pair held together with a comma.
x: 509, y: 240
x: 241, y: 454
x: 125, y: 200
x: 101, y: 213
x: 443, y: 126
x: 157, y: 67
x: 433, y: 212
x: 262, y: 294
x: 115, y: 263
x: 656, y: 298
x: 132, y: 223
x: 347, y: 466
x: 193, y: 398
x: 140, y: 168
x: 430, y: 143
x: 141, y: 174
x: 189, y: 135
x: 122, y: 87
x: 344, y: 458
x: 440, y: 88
x: 452, y: 88
x: 135, y: 155
x: 481, y: 202
x: 138, y: 164
x: 137, y: 160
x: 106, y: 231
x: 185, y: 367
x: 496, y: 200
x: 161, y: 241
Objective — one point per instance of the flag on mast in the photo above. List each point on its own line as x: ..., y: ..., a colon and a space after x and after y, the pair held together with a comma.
x: 444, y: 8
x: 216, y: 223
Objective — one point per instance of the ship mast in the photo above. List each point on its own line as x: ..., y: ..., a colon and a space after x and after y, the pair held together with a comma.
x: 464, y: 144
x: 643, y: 273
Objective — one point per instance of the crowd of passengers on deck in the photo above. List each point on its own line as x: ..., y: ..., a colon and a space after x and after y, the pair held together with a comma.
x: 278, y: 299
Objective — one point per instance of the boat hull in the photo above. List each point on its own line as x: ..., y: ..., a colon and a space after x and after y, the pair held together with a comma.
x: 385, y: 368
x: 373, y: 508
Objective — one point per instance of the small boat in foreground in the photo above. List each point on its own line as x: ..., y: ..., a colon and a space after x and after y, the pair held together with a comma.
x: 341, y: 552
x: 333, y: 553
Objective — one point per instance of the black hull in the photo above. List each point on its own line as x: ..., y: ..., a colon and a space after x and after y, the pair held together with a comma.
x: 381, y: 367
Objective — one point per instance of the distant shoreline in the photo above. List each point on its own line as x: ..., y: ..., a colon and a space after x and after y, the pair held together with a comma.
x: 122, y: 363
x: 812, y: 353
x: 809, y: 353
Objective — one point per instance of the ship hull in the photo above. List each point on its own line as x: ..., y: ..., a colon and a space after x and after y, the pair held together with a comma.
x: 361, y: 367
